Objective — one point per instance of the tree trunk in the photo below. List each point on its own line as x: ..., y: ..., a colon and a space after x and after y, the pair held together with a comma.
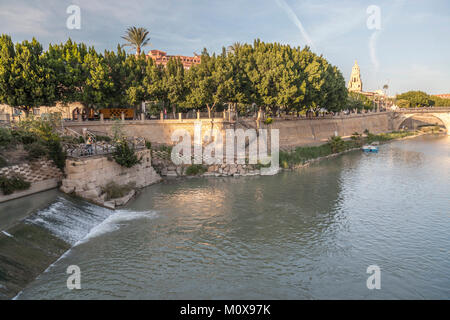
x: 209, y: 110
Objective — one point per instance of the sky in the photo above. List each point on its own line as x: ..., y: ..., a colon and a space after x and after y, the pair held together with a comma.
x: 405, y: 46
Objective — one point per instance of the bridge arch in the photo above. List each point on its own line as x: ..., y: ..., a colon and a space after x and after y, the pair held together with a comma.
x: 444, y: 118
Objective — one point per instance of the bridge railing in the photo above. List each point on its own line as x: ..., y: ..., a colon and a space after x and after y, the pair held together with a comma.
x: 423, y: 109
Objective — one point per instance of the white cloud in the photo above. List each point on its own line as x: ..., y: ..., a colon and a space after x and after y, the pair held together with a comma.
x: 23, y: 19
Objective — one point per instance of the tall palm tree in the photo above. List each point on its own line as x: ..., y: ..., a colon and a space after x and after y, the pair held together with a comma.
x: 136, y: 38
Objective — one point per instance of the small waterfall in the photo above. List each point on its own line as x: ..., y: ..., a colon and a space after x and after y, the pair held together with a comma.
x: 70, y: 220
x: 76, y: 221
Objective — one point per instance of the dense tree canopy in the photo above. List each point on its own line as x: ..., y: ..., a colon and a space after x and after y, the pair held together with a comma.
x: 359, y: 101
x: 413, y: 99
x: 270, y: 76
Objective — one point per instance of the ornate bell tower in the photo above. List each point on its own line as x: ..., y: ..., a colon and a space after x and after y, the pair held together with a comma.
x: 355, y: 83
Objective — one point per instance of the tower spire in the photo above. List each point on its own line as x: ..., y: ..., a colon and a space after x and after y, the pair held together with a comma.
x: 355, y: 83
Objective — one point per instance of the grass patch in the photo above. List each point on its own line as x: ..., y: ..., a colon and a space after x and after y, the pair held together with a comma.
x: 389, y: 136
x: 301, y: 155
x: 195, y: 169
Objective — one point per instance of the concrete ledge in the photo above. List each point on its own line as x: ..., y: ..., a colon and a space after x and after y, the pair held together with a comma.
x: 34, y: 188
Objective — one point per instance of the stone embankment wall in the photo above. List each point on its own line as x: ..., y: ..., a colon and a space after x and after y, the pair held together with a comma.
x: 294, y: 132
x: 88, y: 176
x: 303, y: 132
x: 42, y: 174
x: 166, y: 168
x: 155, y: 131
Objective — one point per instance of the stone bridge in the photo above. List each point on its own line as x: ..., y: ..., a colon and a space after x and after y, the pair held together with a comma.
x: 441, y: 113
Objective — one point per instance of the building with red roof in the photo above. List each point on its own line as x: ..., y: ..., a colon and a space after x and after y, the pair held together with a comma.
x: 161, y: 58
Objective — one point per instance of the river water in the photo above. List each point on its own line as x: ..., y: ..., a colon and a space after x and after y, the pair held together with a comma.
x: 307, y: 234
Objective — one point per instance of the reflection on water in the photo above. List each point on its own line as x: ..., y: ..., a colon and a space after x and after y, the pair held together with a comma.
x: 298, y: 235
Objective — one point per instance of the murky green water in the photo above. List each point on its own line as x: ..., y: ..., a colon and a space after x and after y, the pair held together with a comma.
x: 297, y: 235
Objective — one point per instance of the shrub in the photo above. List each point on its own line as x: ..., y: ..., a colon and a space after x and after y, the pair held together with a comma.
x: 373, y: 137
x: 35, y: 150
x: 56, y: 153
x: 259, y: 165
x: 22, y: 136
x: 268, y: 121
x: 336, y: 143
x: 148, y: 145
x: 125, y: 156
x: 163, y: 147
x: 5, y: 137
x: 10, y: 184
x: 357, y: 139
x: 195, y: 169
x: 102, y: 138
x: 117, y: 131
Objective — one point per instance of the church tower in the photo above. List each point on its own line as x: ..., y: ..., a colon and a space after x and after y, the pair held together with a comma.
x: 355, y: 83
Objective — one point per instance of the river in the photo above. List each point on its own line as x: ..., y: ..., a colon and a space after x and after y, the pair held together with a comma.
x: 304, y: 234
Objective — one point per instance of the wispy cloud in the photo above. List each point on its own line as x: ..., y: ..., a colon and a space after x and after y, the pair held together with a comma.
x: 372, y: 50
x: 295, y: 20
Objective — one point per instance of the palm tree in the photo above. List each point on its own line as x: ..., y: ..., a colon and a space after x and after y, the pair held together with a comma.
x: 234, y: 48
x: 136, y: 38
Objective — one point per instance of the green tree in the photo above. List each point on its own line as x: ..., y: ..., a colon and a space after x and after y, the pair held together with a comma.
x: 135, y: 91
x: 358, y: 101
x: 66, y: 61
x: 202, y: 83
x: 7, y: 55
x: 27, y: 79
x: 174, y: 84
x: 99, y: 85
x: 416, y: 98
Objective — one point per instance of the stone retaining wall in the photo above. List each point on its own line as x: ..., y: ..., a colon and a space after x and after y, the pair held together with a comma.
x: 87, y: 177
x: 293, y: 132
x: 42, y: 174
x: 166, y: 168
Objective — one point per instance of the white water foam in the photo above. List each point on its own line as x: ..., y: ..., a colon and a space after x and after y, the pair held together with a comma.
x: 112, y: 222
x: 78, y: 222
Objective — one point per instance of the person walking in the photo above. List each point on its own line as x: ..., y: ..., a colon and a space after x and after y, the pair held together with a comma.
x: 89, y: 143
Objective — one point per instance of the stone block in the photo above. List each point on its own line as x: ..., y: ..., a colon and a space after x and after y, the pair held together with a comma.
x: 110, y: 204
x: 125, y: 199
x: 67, y: 189
x: 172, y: 174
x: 209, y: 174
